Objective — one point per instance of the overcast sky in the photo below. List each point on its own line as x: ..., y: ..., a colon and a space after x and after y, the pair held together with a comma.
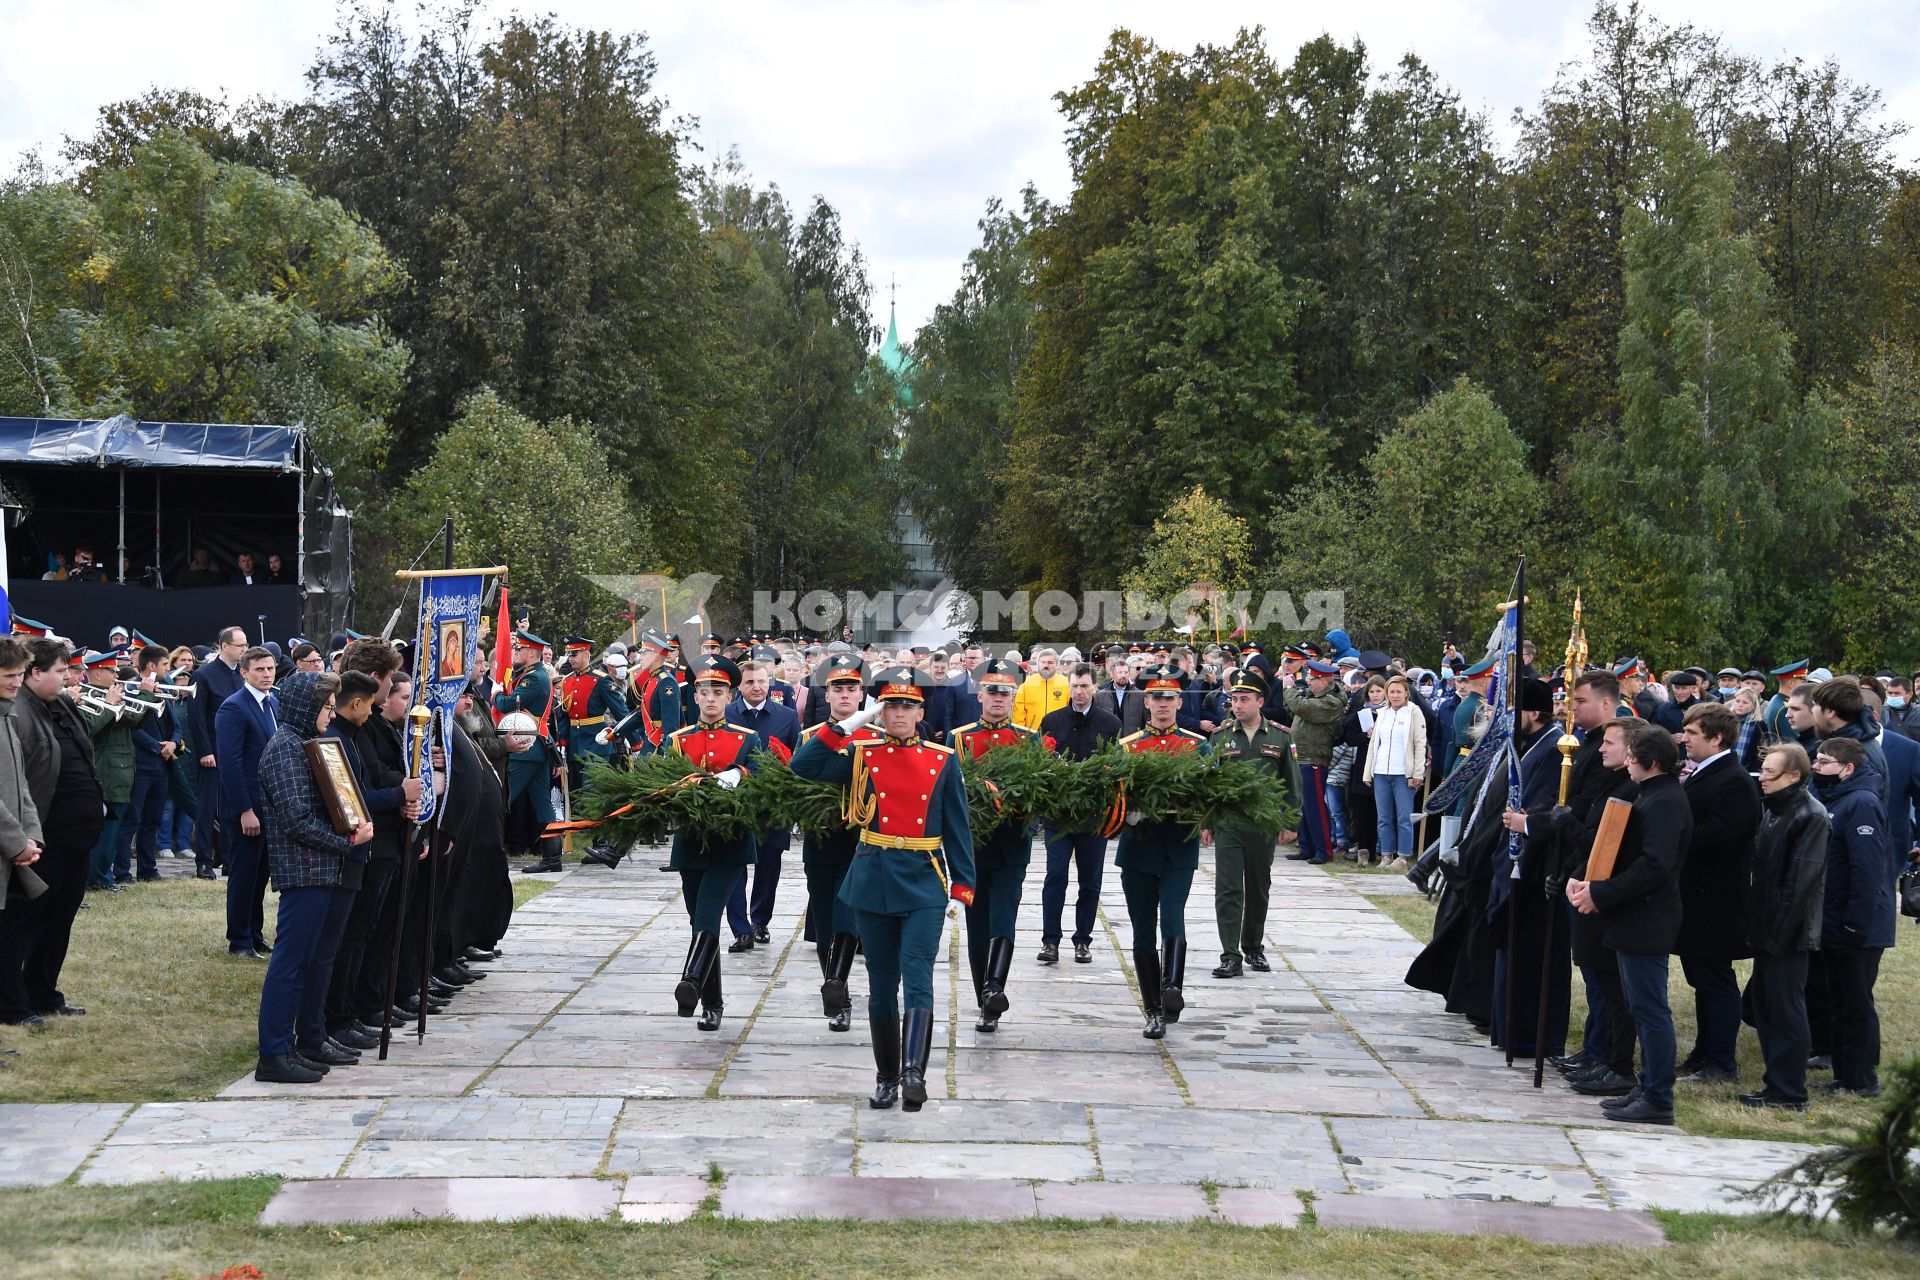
x: 908, y: 116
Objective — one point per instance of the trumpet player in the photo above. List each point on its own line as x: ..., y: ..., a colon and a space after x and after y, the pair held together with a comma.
x: 156, y: 745
x: 111, y: 718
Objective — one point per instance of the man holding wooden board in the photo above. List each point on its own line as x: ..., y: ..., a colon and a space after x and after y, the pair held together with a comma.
x: 1636, y: 892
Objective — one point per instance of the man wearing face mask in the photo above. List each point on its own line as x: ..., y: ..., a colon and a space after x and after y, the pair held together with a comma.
x: 1858, y: 913
x: 1728, y: 683
x: 1902, y: 714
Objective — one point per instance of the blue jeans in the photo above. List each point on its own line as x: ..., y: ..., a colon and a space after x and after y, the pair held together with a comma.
x: 1393, y: 798
x: 1086, y: 852
x: 294, y: 993
x: 1644, y: 979
x: 1337, y: 814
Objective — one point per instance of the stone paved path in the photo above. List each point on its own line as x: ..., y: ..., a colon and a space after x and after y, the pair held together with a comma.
x: 567, y: 1065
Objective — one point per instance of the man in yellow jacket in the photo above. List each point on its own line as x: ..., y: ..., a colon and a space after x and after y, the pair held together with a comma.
x: 1044, y: 690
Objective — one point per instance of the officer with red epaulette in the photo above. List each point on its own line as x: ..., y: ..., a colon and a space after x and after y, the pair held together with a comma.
x: 530, y: 769
x: 589, y: 702
x: 915, y: 850
x: 828, y: 853
x: 1157, y: 858
x: 708, y: 868
x: 1000, y: 861
x: 656, y: 695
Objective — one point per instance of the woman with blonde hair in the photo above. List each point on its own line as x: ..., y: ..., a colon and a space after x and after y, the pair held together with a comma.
x: 1397, y: 768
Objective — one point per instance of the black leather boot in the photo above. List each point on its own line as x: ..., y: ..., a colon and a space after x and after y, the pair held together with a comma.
x: 886, y: 1062
x: 710, y: 1001
x: 1173, y: 976
x: 1146, y: 964
x: 604, y: 855
x: 993, y: 1001
x: 1422, y: 869
x: 280, y: 1068
x: 702, y: 955
x: 916, y: 1044
x: 834, y: 997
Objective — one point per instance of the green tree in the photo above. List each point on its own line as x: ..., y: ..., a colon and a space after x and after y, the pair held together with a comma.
x: 1692, y: 482
x: 1423, y: 546
x: 186, y: 289
x: 970, y: 356
x: 1197, y: 557
x: 1872, y: 601
x: 551, y: 527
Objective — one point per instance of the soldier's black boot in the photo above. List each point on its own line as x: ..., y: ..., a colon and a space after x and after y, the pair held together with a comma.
x: 710, y: 1001
x: 702, y: 955
x: 1173, y: 976
x: 993, y: 1001
x: 916, y: 1044
x: 604, y: 855
x: 886, y: 1062
x: 1422, y: 869
x: 1146, y: 963
x: 835, y: 1000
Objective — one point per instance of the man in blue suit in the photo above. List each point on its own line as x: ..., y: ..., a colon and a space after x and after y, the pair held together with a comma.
x: 772, y: 723
x: 214, y: 681
x: 242, y: 727
x: 1903, y: 776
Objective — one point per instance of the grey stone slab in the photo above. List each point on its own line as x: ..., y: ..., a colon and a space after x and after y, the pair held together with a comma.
x: 1685, y: 1193
x: 1258, y: 1207
x: 1453, y: 1140
x: 45, y: 1142
x: 979, y: 1120
x: 462, y: 1199
x: 477, y: 1159
x: 549, y: 1050
x: 369, y: 1079
x: 1624, y: 1150
x: 876, y: 1199
x: 1060, y: 1161
x: 600, y: 1082
x: 1137, y: 1202
x: 1161, y: 1162
x: 274, y: 1120
x: 313, y: 1158
x: 734, y: 1118
x: 1468, y: 1180
x: 695, y: 1154
x: 435, y: 1119
x: 1540, y: 1223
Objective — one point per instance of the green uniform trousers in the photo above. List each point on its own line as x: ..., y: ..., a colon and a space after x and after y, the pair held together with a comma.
x: 1242, y: 883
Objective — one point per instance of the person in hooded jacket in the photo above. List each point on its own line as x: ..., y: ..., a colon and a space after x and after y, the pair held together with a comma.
x: 306, y: 858
x: 1782, y: 910
x: 1857, y: 917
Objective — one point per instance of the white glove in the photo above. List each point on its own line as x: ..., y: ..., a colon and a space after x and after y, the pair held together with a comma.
x: 728, y: 780
x: 603, y: 737
x: 858, y: 720
x: 1135, y: 817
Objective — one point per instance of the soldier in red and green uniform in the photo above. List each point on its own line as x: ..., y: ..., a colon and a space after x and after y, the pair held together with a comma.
x: 909, y: 803
x: 999, y: 861
x: 1157, y: 858
x: 828, y: 854
x: 708, y: 868
x: 656, y: 695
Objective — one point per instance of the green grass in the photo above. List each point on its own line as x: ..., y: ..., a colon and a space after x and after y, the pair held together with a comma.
x: 170, y: 1016
x: 1714, y: 1110
x: 203, y: 1228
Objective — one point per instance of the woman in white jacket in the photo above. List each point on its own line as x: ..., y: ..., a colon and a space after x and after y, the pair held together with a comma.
x: 1397, y: 769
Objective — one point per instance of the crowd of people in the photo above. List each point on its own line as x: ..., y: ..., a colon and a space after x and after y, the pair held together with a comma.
x: 1765, y: 824
x: 105, y: 750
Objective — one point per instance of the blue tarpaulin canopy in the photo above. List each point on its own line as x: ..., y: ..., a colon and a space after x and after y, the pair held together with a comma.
x: 128, y: 442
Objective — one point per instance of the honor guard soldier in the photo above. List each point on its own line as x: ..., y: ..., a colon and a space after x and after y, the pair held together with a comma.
x: 1243, y: 856
x: 1473, y: 700
x: 656, y: 695
x: 1157, y: 858
x: 909, y: 803
x: 1791, y: 677
x: 1635, y: 700
x: 589, y: 702
x: 531, y: 766
x: 1000, y: 861
x: 708, y: 868
x: 828, y: 854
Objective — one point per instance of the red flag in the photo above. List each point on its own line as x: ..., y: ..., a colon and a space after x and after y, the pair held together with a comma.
x: 502, y: 649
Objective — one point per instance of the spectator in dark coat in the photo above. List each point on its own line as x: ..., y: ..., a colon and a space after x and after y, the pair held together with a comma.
x: 1857, y: 917
x: 215, y: 680
x: 1121, y: 698
x: 242, y: 728
x: 1840, y: 711
x: 1902, y: 754
x: 1782, y: 914
x: 307, y: 858
x: 1726, y: 817
x: 1640, y: 910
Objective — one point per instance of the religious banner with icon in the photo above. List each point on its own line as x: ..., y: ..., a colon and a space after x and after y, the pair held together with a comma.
x: 450, y: 631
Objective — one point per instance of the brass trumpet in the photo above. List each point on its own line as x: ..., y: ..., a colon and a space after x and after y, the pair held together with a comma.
x: 171, y: 691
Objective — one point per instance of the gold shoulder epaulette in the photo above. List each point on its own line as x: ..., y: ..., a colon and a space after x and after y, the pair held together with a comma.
x: 1135, y: 736
x: 971, y: 724
x: 934, y: 746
